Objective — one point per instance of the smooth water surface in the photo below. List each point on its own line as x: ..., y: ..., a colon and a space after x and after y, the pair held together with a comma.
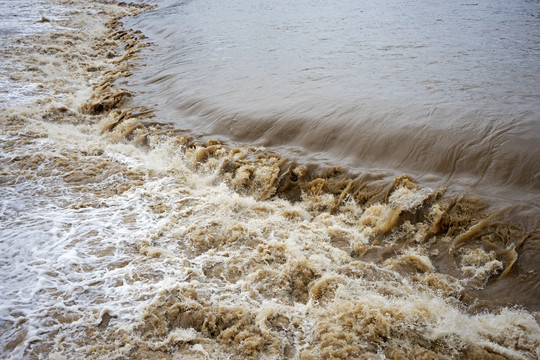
x: 430, y: 88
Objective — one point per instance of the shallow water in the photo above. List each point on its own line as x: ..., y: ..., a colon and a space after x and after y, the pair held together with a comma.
x: 19, y: 18
x: 123, y: 237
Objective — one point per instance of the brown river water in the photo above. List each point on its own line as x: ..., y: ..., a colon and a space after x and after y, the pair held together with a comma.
x: 269, y: 180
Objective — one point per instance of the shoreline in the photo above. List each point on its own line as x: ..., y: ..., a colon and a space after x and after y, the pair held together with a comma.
x: 371, y: 230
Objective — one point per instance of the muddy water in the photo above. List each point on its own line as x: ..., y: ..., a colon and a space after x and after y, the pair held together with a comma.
x: 123, y: 237
x: 446, y: 91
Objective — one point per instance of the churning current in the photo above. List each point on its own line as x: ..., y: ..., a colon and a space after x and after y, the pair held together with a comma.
x: 444, y: 90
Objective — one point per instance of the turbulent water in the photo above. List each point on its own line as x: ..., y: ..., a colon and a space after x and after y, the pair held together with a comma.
x: 140, y: 217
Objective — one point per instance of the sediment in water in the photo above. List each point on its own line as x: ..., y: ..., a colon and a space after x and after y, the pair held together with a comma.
x: 213, y: 251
